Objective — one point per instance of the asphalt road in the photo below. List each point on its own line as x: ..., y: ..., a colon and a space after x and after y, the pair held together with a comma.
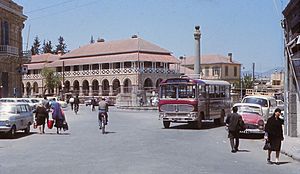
x: 135, y: 143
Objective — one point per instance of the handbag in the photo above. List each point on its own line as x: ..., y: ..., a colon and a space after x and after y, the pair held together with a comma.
x: 267, y: 145
x: 65, y: 126
x: 50, y: 124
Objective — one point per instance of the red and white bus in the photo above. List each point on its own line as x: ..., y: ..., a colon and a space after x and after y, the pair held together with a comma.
x: 186, y: 100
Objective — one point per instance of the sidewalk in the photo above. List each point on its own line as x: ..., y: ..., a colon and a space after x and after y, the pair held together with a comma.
x: 291, y: 147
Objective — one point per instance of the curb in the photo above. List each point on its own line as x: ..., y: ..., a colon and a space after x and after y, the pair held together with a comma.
x: 294, y: 157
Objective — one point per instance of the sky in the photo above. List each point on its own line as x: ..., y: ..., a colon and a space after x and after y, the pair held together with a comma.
x: 249, y: 29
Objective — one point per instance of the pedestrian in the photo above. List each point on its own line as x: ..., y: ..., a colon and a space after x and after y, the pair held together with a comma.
x: 93, y: 103
x: 57, y: 116
x: 274, y: 134
x: 41, y: 114
x: 71, y: 101
x: 234, y: 122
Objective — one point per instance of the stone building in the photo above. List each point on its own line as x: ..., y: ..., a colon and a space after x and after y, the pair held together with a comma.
x: 214, y: 67
x: 291, y: 25
x: 12, y: 56
x: 130, y: 68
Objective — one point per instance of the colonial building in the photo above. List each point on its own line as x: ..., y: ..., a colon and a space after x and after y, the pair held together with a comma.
x: 129, y: 67
x: 12, y: 56
x: 214, y: 67
x: 291, y: 25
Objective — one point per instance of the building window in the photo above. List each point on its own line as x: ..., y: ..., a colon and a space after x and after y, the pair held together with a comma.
x: 159, y: 65
x: 76, y: 67
x: 148, y: 64
x: 67, y: 68
x: 206, y: 71
x: 235, y: 71
x: 105, y: 66
x: 95, y: 67
x: 226, y: 70
x: 276, y: 82
x: 35, y: 71
x: 5, y: 33
x: 127, y: 64
x: 86, y: 67
x: 216, y: 71
x: 58, y: 69
x: 117, y: 65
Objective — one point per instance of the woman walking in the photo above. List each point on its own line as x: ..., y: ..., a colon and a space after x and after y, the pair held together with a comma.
x: 58, y: 116
x: 41, y: 114
x: 274, y: 134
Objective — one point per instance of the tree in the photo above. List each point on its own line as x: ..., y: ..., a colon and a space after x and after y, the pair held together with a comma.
x: 47, y: 47
x: 52, y: 80
x: 35, y: 48
x: 61, y: 47
x: 247, y: 81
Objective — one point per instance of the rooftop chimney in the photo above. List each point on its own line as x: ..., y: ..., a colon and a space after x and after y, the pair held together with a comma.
x: 230, y: 57
x: 100, y: 40
x: 134, y: 36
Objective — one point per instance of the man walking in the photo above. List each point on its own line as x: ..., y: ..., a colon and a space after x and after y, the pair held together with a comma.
x: 234, y: 121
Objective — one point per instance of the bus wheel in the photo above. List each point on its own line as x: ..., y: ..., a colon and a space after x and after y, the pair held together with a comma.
x: 198, y: 124
x: 166, y: 124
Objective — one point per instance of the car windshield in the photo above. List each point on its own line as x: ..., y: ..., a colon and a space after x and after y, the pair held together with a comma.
x: 249, y: 109
x: 260, y: 101
x: 7, y: 108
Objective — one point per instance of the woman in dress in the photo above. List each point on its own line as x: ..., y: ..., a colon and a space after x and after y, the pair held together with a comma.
x: 274, y: 134
x: 57, y: 116
x: 41, y: 114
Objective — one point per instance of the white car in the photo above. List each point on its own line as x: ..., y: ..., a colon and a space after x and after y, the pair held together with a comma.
x: 267, y: 103
x: 15, y: 116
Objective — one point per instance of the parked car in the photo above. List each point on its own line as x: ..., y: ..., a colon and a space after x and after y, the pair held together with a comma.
x: 280, y: 104
x: 15, y: 117
x: 252, y: 116
x: 267, y: 103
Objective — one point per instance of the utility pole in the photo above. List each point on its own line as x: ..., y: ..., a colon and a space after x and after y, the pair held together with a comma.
x: 197, y: 36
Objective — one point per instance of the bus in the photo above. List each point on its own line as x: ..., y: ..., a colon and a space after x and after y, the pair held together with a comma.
x: 187, y: 100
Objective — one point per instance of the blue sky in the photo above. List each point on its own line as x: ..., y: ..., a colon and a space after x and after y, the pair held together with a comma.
x: 250, y: 29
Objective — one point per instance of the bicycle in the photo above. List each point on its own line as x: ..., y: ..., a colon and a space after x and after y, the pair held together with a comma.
x: 102, y: 119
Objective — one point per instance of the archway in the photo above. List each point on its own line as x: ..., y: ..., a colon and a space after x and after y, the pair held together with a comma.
x: 148, y: 84
x: 157, y: 83
x: 95, y: 87
x: 67, y: 86
x: 76, y: 87
x: 28, y: 89
x: 105, y: 87
x: 85, y: 88
x: 116, y: 87
x: 35, y: 88
x: 127, y: 86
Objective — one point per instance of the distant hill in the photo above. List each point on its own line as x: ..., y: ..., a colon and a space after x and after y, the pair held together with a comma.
x: 265, y: 73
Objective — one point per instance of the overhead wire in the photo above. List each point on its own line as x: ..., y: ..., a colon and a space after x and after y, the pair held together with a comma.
x: 51, y: 6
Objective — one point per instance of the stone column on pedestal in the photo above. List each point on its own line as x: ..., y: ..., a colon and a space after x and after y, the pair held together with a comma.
x: 100, y: 90
x: 110, y: 90
x: 91, y: 90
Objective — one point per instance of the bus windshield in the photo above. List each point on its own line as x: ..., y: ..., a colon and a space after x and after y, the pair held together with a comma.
x: 174, y: 91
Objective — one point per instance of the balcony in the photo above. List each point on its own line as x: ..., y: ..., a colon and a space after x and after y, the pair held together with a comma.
x: 6, y: 50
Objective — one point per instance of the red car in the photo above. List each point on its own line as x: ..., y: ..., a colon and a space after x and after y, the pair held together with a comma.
x: 252, y: 116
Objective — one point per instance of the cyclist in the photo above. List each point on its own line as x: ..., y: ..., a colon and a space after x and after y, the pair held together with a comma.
x: 76, y: 104
x: 103, y: 109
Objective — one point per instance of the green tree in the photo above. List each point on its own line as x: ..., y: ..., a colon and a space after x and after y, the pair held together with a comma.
x: 35, y: 48
x: 47, y: 47
x: 61, y: 47
x: 247, y: 81
x: 51, y: 80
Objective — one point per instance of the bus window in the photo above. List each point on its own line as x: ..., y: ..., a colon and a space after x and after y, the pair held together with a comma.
x: 201, y: 91
x: 186, y: 91
x: 168, y: 91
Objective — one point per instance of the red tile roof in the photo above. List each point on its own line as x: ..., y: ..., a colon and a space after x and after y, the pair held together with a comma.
x: 209, y: 59
x: 47, y: 57
x: 116, y: 47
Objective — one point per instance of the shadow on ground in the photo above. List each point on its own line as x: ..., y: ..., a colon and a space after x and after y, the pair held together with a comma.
x: 17, y: 135
x: 205, y: 125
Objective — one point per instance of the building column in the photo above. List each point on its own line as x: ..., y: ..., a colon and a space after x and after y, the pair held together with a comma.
x: 110, y: 90
x: 122, y: 89
x: 100, y: 90
x: 91, y: 90
x: 80, y: 90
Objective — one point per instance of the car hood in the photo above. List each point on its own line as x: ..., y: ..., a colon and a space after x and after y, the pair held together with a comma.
x: 5, y: 116
x: 250, y: 118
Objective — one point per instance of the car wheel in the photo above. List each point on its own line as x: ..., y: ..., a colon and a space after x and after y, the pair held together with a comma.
x: 166, y: 124
x: 12, y: 132
x: 27, y: 130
